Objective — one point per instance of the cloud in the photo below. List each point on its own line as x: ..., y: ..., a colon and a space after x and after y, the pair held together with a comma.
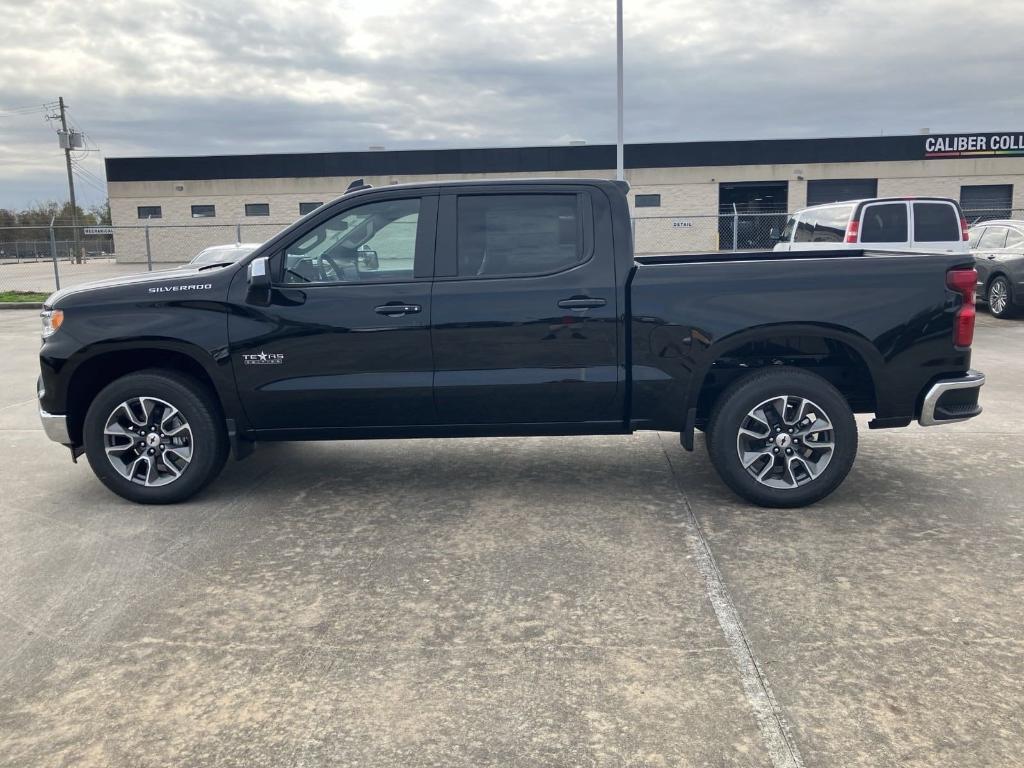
x: 157, y: 77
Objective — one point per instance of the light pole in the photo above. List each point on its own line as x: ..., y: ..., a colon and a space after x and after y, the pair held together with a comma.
x: 619, y: 161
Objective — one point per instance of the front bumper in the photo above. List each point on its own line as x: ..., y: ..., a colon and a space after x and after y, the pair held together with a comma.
x: 55, y: 425
x: 951, y: 400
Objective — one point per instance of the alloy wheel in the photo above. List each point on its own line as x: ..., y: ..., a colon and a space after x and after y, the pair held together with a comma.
x: 785, y: 441
x: 998, y: 296
x: 148, y: 441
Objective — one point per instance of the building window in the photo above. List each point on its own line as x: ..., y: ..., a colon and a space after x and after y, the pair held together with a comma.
x: 203, y: 211
x: 821, y: 191
x: 982, y: 202
x: 305, y: 208
x: 150, y: 212
x: 648, y: 201
x: 257, y: 209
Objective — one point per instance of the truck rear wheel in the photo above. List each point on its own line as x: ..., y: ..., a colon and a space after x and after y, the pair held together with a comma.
x: 155, y: 437
x: 782, y: 437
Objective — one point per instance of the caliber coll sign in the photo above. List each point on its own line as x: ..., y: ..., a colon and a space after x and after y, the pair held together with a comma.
x: 974, y: 145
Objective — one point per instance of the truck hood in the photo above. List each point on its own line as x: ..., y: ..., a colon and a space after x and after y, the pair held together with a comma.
x: 166, y: 277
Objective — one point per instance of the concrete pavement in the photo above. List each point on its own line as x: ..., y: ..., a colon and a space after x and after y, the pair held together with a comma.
x: 536, y: 601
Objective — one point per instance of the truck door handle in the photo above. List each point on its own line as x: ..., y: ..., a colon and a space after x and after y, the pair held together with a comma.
x: 398, y: 310
x: 581, y: 303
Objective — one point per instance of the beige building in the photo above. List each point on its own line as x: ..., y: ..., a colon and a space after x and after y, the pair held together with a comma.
x: 684, y: 196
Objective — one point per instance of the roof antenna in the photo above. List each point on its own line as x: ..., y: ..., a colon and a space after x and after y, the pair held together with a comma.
x: 357, y: 185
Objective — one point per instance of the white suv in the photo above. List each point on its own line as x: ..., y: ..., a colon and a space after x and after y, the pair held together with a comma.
x: 911, y: 224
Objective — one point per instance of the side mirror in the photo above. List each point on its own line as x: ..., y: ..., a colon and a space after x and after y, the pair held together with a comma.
x: 368, y: 260
x: 258, y: 273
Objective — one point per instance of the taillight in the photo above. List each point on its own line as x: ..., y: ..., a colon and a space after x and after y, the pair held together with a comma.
x: 963, y: 280
x: 851, y: 231
x: 964, y: 234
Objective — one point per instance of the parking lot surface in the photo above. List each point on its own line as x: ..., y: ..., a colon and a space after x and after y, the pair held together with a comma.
x: 517, y: 602
x: 38, y: 275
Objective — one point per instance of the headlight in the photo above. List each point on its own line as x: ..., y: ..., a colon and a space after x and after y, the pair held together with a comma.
x: 52, y: 319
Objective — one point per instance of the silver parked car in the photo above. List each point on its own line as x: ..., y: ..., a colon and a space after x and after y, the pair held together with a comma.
x: 223, y: 254
x: 998, y: 249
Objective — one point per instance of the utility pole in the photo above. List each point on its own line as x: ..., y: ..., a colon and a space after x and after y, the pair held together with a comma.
x: 619, y: 161
x: 71, y: 184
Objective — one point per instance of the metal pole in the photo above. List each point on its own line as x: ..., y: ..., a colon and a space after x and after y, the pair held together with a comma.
x: 71, y: 181
x: 620, y: 173
x: 53, y: 255
x: 735, y: 228
x: 238, y: 232
x: 149, y: 254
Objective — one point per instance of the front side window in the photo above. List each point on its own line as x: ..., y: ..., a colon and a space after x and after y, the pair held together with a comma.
x: 884, y: 223
x: 830, y: 226
x: 257, y: 209
x: 150, y: 212
x: 994, y: 238
x: 975, y: 235
x: 375, y: 242
x: 505, y: 235
x: 204, y: 211
x: 936, y: 223
x: 804, y: 229
x: 787, y: 231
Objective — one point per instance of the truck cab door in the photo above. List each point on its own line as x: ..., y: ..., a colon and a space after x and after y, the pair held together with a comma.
x: 343, y: 341
x: 525, y: 325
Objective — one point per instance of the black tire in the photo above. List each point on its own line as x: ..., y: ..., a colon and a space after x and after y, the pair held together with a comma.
x: 208, y: 441
x: 732, y: 412
x: 1002, y: 309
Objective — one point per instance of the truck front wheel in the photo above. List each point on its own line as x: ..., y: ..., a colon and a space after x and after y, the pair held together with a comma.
x: 155, y: 437
x: 782, y: 437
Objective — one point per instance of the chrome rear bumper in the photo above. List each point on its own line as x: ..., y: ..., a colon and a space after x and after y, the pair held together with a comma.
x: 933, y: 412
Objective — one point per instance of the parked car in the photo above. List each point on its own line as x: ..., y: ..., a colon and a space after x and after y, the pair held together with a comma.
x: 505, y: 308
x: 908, y: 224
x: 224, y: 254
x: 998, y: 249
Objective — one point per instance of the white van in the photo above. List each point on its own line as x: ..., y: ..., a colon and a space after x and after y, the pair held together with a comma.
x: 912, y: 224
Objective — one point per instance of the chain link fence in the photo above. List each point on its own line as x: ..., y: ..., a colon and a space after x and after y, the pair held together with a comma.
x: 38, y: 260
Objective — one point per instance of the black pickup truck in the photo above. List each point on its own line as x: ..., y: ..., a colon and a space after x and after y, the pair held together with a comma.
x: 505, y: 308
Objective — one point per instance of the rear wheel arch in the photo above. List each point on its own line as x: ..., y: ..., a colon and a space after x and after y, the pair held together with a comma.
x: 846, y: 360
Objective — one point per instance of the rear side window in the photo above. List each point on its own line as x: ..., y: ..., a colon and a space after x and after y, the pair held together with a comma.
x: 504, y: 235
x: 935, y: 223
x: 994, y: 237
x: 884, y: 223
x: 1015, y: 239
x: 830, y: 225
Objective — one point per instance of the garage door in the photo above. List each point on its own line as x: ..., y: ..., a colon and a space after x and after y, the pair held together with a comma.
x: 982, y: 202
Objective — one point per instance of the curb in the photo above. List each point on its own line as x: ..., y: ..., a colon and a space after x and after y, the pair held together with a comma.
x: 20, y: 305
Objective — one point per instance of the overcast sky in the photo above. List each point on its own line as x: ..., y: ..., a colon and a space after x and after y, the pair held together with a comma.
x: 166, y: 77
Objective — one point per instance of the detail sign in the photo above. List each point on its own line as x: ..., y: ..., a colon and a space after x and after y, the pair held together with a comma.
x: 681, y: 224
x: 974, y: 145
